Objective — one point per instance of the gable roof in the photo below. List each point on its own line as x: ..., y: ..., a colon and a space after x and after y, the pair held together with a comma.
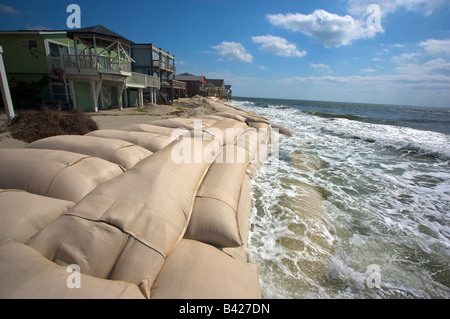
x: 216, y: 82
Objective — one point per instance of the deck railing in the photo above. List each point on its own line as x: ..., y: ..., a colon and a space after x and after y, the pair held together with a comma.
x: 164, y: 65
x: 98, y: 62
x: 139, y: 79
x: 179, y: 84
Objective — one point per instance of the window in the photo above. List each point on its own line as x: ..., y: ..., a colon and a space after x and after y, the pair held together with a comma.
x: 26, y: 44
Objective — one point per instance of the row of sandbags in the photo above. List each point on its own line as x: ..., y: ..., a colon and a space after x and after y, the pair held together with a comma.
x: 135, y: 222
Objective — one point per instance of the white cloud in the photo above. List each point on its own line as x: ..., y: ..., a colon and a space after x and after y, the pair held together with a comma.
x: 278, y: 46
x: 328, y: 28
x: 368, y: 70
x: 8, y: 10
x: 320, y: 66
x: 359, y: 7
x: 234, y: 51
x: 405, y: 57
x: 436, y: 47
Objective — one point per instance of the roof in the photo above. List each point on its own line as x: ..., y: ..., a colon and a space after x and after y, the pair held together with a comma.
x: 190, y: 78
x: 98, y: 30
x: 216, y: 82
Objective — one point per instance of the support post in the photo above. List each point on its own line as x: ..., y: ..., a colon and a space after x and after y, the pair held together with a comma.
x: 4, y: 86
x: 140, y: 97
x: 94, y: 96
x: 125, y: 97
x: 72, y: 92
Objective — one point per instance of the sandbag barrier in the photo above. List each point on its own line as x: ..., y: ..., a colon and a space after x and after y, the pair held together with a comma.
x: 137, y: 222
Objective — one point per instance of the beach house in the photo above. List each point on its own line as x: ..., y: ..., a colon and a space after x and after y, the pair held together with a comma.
x: 216, y: 88
x: 88, y: 68
x: 195, y: 84
x: 151, y: 60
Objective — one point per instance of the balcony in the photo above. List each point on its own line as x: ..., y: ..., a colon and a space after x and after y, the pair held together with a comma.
x: 139, y: 80
x: 179, y: 85
x: 164, y: 65
x: 91, y: 65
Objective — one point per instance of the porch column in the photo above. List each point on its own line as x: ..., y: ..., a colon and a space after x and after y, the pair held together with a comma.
x: 94, y: 95
x: 125, y: 97
x: 151, y: 96
x: 72, y: 93
x: 4, y: 86
x: 141, y: 97
x: 120, y: 89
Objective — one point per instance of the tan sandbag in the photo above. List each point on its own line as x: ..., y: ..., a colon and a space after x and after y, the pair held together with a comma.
x: 150, y: 203
x: 25, y: 274
x: 215, y: 215
x: 195, y: 270
x: 137, y: 264
x: 236, y: 117
x: 151, y: 141
x: 53, y: 173
x: 116, y: 151
x: 256, y: 144
x: 24, y: 214
x: 263, y: 129
x: 212, y: 117
x: 244, y: 210
x: 282, y: 130
x: 94, y: 246
x: 174, y: 123
x: 148, y: 129
x: 227, y: 131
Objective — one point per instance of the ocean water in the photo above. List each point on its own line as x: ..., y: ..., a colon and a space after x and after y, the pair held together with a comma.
x: 359, y: 205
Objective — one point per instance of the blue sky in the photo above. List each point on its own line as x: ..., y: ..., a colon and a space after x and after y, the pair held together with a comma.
x: 333, y: 50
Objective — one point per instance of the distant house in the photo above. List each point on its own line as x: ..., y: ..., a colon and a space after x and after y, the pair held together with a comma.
x: 151, y: 60
x: 216, y: 88
x: 195, y: 85
x: 88, y: 68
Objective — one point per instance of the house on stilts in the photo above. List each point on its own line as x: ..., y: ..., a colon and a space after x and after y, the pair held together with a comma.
x: 88, y: 68
x: 151, y: 60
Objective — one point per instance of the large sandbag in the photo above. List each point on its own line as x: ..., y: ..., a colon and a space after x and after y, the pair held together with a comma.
x: 151, y: 141
x: 26, y: 274
x: 24, y: 214
x: 53, y: 173
x: 194, y: 270
x: 227, y: 131
x: 116, y: 151
x: 215, y: 217
x: 257, y: 145
x: 264, y: 130
x: 230, y: 116
x: 174, y: 123
x: 148, y: 128
x: 150, y: 204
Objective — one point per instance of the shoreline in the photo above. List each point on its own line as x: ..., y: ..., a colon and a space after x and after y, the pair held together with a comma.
x: 199, y: 254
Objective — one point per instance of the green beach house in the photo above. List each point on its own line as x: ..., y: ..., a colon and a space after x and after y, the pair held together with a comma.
x: 88, y: 68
